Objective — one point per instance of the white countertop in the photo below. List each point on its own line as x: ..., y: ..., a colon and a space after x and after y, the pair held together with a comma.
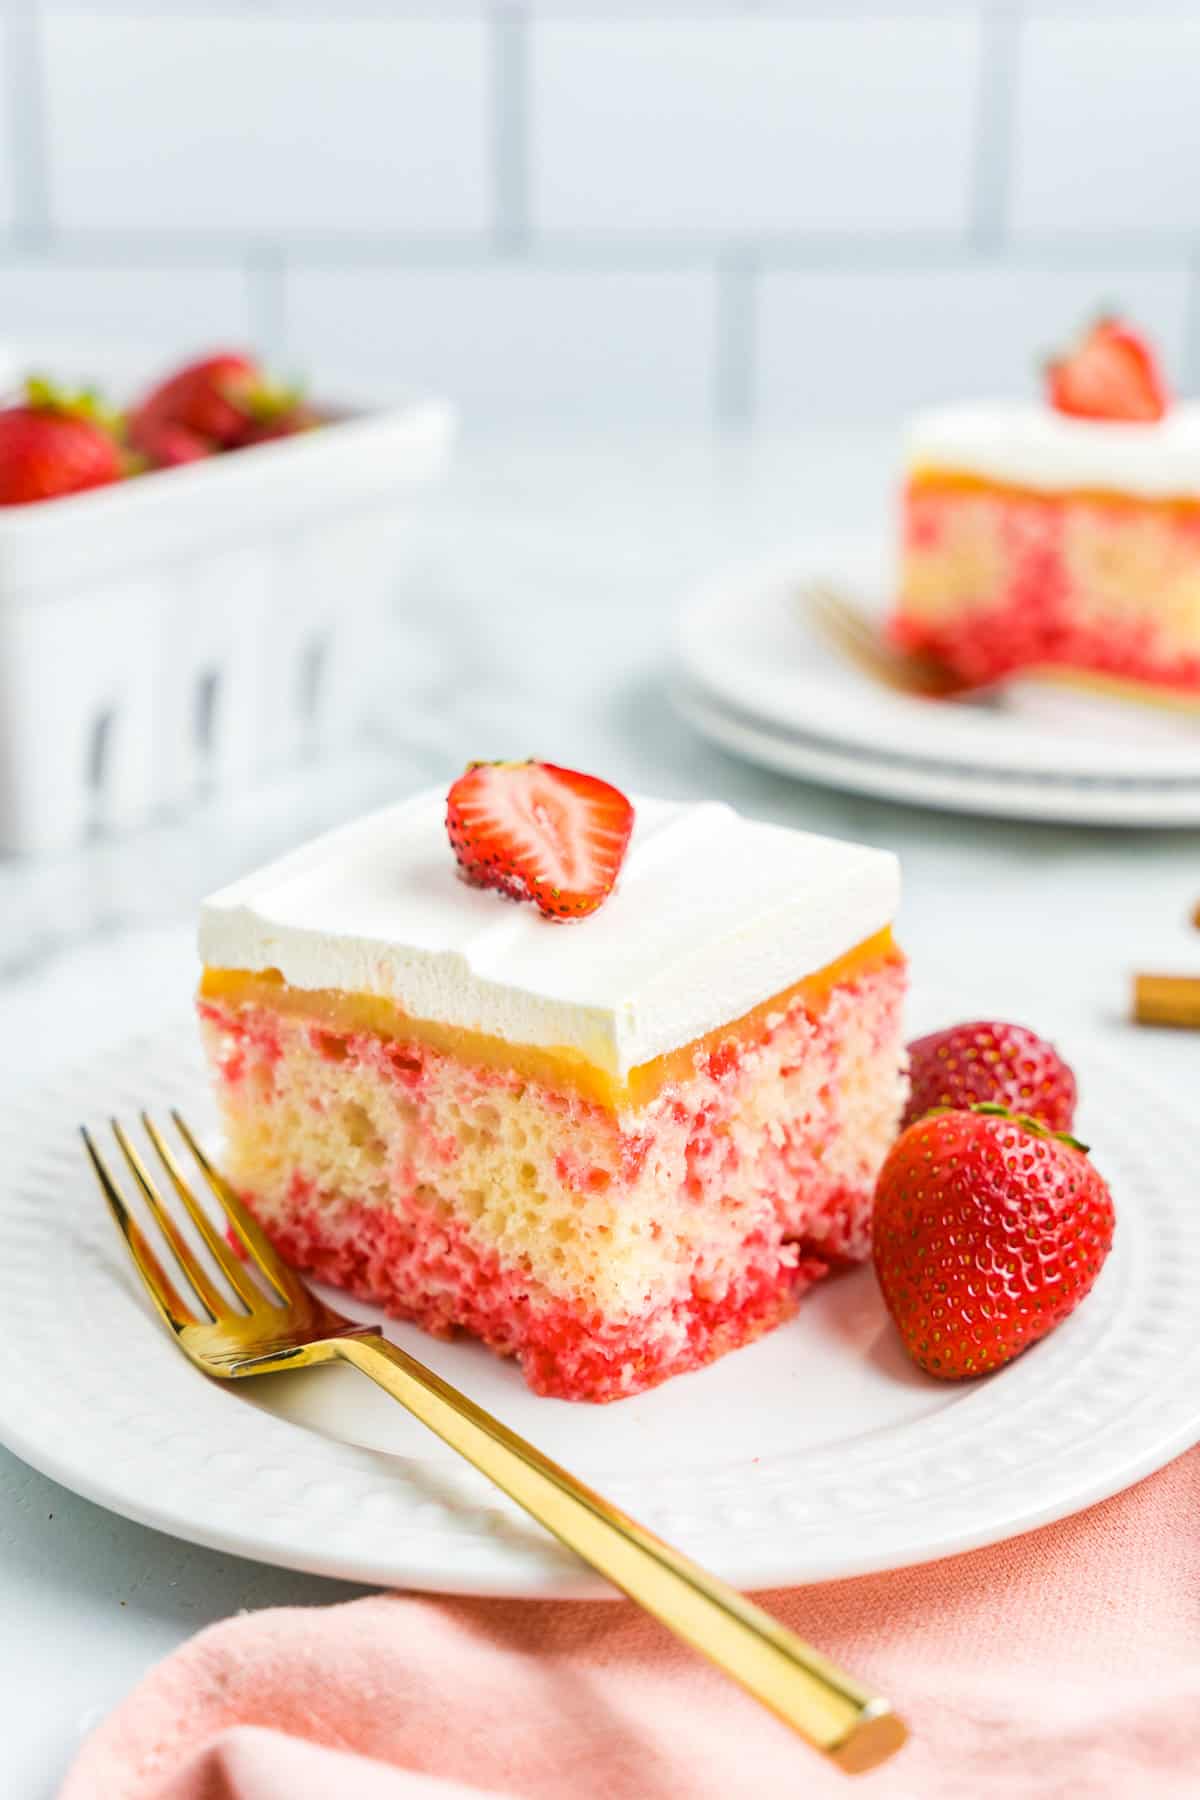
x: 534, y: 620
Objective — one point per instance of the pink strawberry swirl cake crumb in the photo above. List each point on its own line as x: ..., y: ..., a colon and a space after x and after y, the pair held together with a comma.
x: 997, y: 580
x: 662, y: 1238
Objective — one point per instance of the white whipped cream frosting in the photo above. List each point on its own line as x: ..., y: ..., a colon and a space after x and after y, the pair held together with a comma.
x: 712, y: 914
x: 1033, y: 446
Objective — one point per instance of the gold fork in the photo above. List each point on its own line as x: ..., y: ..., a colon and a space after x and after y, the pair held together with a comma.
x: 852, y: 630
x: 283, y: 1325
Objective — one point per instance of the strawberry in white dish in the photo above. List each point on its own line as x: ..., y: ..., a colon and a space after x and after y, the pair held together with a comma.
x: 55, y: 443
x: 220, y: 402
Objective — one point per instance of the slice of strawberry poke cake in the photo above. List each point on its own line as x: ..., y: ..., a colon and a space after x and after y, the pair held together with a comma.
x: 613, y: 1133
x: 1062, y: 534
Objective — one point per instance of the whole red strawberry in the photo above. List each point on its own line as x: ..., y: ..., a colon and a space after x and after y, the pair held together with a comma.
x: 173, y: 445
x: 208, y: 400
x: 988, y: 1061
x: 988, y: 1231
x: 541, y: 833
x: 1111, y: 373
x: 221, y: 402
x: 55, y: 444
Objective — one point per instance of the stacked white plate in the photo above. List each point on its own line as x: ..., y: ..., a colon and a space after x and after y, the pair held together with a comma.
x: 753, y: 675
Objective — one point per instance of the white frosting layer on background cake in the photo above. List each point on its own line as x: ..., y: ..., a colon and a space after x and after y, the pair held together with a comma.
x: 712, y: 915
x: 1033, y: 446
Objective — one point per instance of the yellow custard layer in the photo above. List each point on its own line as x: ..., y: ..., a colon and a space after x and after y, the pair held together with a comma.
x: 557, y: 1066
x: 933, y: 478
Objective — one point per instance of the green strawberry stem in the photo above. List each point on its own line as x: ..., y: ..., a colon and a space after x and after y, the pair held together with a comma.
x: 84, y: 403
x: 992, y: 1111
x: 264, y: 400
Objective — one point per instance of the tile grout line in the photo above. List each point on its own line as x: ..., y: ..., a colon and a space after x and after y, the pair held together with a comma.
x: 27, y: 138
x: 846, y: 253
x: 798, y: 252
x: 266, y: 299
x: 1190, y: 373
x: 1000, y: 27
x: 509, y: 54
x: 734, y: 358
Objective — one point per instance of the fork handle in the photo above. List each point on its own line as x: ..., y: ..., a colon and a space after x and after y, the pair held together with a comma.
x: 852, y: 1726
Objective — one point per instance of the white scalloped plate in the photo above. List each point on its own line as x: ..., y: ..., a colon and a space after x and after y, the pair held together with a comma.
x: 819, y: 1452
x: 760, y: 681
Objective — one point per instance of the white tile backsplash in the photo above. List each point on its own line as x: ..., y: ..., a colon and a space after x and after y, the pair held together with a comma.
x: 857, y: 347
x: 752, y: 125
x: 517, y: 348
x: 8, y: 171
x: 1108, y: 126
x: 601, y: 212
x: 136, y: 304
x: 250, y: 125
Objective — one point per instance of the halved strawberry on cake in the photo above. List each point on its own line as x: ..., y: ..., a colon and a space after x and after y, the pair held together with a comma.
x: 1061, y: 536
x: 614, y: 1132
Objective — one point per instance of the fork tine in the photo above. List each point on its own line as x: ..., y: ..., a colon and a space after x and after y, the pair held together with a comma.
x: 850, y: 636
x: 159, y: 1285
x: 288, y: 1285
x: 832, y: 612
x: 856, y: 634
x: 838, y: 610
x: 232, y: 1267
x: 854, y: 626
x: 214, y: 1302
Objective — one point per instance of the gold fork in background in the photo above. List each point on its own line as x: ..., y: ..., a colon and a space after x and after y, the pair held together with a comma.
x: 852, y: 631
x: 284, y: 1326
x: 856, y: 634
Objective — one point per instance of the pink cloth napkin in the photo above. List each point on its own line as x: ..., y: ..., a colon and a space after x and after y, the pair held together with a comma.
x: 1062, y: 1666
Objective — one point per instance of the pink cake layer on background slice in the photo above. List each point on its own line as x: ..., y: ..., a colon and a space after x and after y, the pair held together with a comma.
x: 614, y: 1149
x: 1035, y: 540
